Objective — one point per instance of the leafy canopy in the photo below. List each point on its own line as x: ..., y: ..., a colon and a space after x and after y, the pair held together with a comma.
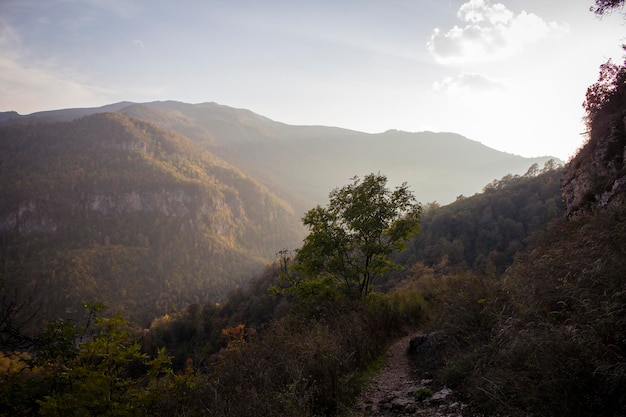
x: 604, y: 7
x: 607, y: 95
x: 352, y: 239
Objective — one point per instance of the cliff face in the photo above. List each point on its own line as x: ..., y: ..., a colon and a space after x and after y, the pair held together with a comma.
x: 35, y: 216
x: 596, y: 176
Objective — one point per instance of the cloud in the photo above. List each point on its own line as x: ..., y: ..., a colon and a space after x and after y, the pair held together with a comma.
x: 139, y: 43
x: 490, y: 32
x: 469, y: 83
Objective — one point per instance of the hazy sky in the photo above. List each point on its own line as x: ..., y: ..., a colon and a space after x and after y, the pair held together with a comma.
x: 510, y: 74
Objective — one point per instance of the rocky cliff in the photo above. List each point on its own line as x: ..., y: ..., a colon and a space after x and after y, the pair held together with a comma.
x: 596, y: 176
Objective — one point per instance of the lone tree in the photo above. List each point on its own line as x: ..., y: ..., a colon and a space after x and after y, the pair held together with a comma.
x: 351, y: 240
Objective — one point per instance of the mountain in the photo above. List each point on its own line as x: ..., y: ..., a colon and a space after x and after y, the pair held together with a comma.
x: 150, y: 207
x: 115, y: 209
x: 303, y: 163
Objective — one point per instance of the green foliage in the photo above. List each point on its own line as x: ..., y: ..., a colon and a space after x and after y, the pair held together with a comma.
x: 94, y: 369
x: 352, y: 240
x: 486, y: 231
x: 99, y: 381
x: 422, y: 393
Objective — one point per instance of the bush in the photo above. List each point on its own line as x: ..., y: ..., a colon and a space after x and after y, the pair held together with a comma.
x: 548, y: 337
x: 306, y: 365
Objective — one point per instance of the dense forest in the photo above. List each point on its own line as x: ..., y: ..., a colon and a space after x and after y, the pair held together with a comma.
x: 484, y: 232
x: 522, y: 283
x: 112, y: 209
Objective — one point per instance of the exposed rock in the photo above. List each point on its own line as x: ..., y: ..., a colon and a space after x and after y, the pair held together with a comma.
x: 396, y: 391
x: 424, y: 343
x: 596, y: 176
x: 174, y: 203
x: 38, y: 216
x: 441, y: 395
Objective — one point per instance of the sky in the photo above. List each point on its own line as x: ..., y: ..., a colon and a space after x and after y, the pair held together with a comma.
x: 511, y: 74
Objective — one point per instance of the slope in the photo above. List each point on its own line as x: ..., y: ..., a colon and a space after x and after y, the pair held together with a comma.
x: 115, y: 209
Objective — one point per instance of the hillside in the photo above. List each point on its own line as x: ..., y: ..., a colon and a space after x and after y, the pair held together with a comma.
x: 485, y: 232
x: 302, y: 163
x: 547, y: 336
x: 118, y: 210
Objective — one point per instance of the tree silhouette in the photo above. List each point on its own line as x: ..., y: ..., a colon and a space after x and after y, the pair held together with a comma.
x: 603, y: 7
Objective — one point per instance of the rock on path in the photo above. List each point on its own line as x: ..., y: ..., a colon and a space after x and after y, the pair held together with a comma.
x: 397, y: 391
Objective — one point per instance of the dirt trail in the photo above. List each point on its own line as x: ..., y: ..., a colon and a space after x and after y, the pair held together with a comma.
x: 393, y: 391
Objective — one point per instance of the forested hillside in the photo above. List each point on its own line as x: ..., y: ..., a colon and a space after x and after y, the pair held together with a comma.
x: 485, y: 232
x: 117, y: 210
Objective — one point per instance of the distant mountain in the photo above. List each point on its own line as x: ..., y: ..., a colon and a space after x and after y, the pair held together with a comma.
x: 303, y: 163
x: 115, y: 209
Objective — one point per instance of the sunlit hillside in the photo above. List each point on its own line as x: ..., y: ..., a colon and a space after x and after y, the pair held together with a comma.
x: 117, y: 210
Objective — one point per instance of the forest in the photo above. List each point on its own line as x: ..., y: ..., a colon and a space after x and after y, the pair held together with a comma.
x: 115, y: 210
x: 522, y: 283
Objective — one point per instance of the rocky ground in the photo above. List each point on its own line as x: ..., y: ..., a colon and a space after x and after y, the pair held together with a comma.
x: 398, y: 391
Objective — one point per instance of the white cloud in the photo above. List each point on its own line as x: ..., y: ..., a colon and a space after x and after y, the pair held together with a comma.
x: 469, y: 83
x: 476, y: 11
x: 139, y: 43
x: 490, y: 32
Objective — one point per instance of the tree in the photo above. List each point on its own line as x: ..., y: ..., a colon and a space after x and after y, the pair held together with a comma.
x: 603, y: 7
x: 352, y: 239
x: 16, y: 315
x: 607, y: 94
x: 532, y: 171
x: 99, y: 371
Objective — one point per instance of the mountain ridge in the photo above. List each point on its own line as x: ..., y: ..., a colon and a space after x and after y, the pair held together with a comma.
x: 305, y: 162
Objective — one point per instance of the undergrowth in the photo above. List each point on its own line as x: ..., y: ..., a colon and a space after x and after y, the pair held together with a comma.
x: 547, y: 337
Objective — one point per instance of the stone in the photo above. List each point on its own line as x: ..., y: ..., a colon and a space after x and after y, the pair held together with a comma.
x: 423, y: 344
x: 441, y: 395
